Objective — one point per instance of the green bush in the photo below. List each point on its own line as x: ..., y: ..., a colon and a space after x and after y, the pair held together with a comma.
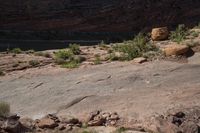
x: 134, y: 48
x: 113, y: 57
x: 67, y: 59
x: 179, y: 34
x: 4, y: 109
x: 64, y: 54
x: 34, y: 63
x: 71, y: 64
x: 194, y: 34
x: 16, y: 50
x: 75, y: 48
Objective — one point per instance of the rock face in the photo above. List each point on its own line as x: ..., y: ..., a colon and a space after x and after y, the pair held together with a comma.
x: 98, y: 15
x: 159, y: 34
x: 175, y: 49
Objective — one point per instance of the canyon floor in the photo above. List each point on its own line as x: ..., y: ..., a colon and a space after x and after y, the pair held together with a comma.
x: 134, y: 91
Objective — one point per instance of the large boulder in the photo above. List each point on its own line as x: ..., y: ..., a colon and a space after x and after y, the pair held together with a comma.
x: 159, y: 34
x: 175, y: 49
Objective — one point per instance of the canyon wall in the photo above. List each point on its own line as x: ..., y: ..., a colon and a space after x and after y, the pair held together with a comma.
x: 96, y: 15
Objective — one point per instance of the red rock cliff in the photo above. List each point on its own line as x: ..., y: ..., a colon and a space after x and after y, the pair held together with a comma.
x: 96, y: 15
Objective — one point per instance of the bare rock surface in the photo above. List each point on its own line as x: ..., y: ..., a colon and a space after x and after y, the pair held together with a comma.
x: 133, y: 90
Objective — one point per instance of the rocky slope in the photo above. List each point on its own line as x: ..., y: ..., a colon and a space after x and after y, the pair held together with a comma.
x: 98, y: 16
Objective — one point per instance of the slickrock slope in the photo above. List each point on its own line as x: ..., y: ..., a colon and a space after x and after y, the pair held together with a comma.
x: 133, y: 90
x: 96, y: 15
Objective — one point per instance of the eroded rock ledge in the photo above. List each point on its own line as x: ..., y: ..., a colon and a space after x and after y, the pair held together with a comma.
x: 174, y: 121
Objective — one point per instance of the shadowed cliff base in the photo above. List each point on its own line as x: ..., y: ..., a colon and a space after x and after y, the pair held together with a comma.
x: 95, y: 16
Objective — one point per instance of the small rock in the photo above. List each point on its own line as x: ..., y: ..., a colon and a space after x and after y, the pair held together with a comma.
x: 61, y: 127
x: 140, y: 60
x: 69, y: 120
x: 96, y: 122
x: 179, y: 115
x: 13, y: 117
x: 177, y: 121
x: 114, y: 117
x: 47, y: 123
x: 113, y: 123
x: 12, y: 125
x: 68, y: 128
x: 105, y: 115
x: 175, y: 49
x: 75, y: 127
x: 27, y: 123
x: 159, y: 34
x: 98, y: 117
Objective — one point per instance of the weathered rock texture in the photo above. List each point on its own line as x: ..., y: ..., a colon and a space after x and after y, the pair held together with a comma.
x: 96, y: 15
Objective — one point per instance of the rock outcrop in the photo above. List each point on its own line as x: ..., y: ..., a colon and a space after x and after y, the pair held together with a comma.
x: 97, y: 15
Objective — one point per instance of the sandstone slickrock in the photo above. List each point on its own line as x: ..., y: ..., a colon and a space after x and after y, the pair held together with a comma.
x: 159, y: 34
x: 175, y: 49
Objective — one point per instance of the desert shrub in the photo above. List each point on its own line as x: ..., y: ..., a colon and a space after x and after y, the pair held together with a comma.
x: 134, y: 48
x: 71, y: 64
x: 113, y: 57
x: 194, y: 34
x: 64, y: 54
x: 75, y: 48
x: 67, y: 59
x: 97, y: 60
x: 16, y: 50
x: 4, y: 109
x: 34, y: 62
x: 179, y: 34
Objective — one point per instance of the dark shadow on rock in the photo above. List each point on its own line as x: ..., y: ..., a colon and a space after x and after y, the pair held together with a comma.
x: 190, y: 53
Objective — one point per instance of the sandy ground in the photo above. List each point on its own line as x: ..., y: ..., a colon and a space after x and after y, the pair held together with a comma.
x: 135, y: 91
